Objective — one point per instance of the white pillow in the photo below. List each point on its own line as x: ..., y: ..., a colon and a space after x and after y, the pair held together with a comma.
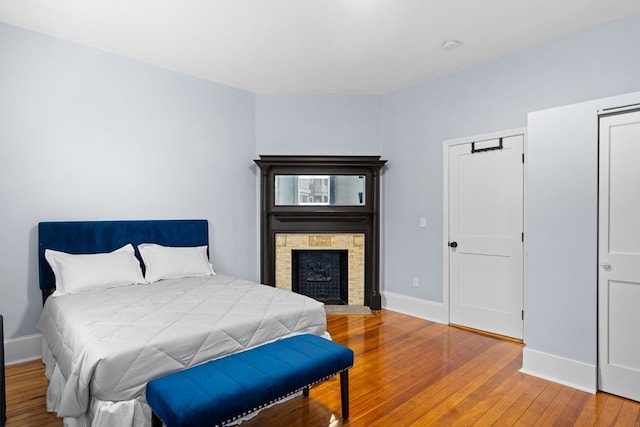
x: 77, y: 272
x: 165, y: 262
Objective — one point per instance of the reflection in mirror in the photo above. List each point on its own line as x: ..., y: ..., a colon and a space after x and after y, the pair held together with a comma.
x: 296, y: 190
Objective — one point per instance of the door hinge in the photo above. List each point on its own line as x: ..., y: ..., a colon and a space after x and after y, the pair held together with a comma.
x: 522, y: 157
x: 522, y: 237
x: 522, y: 314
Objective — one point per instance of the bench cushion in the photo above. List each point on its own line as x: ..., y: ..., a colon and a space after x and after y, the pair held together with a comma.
x: 221, y: 390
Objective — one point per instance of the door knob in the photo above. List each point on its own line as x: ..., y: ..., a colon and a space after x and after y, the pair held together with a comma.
x: 605, y: 265
x: 453, y: 244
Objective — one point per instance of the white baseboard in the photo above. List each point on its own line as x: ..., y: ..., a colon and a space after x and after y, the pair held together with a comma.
x: 22, y: 349
x: 572, y: 373
x: 424, y: 309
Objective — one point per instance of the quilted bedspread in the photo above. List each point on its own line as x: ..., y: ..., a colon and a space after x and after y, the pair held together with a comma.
x: 104, y: 345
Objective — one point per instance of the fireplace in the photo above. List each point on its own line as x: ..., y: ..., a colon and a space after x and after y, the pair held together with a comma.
x: 322, y: 203
x: 321, y: 274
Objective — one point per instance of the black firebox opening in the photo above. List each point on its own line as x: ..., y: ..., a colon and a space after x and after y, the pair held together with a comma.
x: 321, y: 274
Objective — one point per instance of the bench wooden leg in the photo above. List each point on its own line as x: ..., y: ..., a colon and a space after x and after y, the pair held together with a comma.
x: 155, y: 421
x: 344, y: 393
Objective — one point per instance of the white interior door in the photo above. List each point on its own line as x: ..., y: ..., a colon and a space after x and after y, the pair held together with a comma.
x: 619, y: 255
x: 485, y: 235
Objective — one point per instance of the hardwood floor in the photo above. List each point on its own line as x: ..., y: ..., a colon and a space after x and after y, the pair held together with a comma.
x: 408, y: 372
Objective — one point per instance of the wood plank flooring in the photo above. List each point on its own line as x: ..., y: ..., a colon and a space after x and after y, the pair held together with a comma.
x: 408, y: 372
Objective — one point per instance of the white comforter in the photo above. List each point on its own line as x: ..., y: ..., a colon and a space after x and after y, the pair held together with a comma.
x: 102, y: 346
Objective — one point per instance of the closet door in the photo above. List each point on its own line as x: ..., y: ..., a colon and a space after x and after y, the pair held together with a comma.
x: 619, y: 255
x: 485, y: 235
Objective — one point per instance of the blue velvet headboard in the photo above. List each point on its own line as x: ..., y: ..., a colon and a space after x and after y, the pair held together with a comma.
x: 79, y: 237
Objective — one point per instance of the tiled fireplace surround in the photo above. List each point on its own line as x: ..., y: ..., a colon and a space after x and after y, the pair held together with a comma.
x: 353, y: 243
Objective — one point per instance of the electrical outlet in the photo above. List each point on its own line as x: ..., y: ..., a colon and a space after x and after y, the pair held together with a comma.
x: 423, y: 222
x: 416, y: 282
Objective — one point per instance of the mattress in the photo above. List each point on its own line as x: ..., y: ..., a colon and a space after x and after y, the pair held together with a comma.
x: 102, y: 346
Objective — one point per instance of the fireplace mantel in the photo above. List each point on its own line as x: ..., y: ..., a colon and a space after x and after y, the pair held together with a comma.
x: 330, y: 212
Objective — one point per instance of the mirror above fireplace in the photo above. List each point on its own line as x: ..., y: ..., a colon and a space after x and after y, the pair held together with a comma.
x: 301, y: 190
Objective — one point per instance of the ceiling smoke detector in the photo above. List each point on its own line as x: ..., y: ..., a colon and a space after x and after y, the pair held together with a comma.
x: 450, y: 44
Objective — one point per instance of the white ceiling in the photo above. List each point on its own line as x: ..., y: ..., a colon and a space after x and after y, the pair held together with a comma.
x: 312, y: 46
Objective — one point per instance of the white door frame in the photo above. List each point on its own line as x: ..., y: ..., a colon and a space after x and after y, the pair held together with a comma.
x: 445, y: 203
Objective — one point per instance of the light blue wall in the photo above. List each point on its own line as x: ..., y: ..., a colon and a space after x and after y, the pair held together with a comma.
x: 318, y: 124
x: 562, y: 225
x: 89, y: 135
x: 494, y: 96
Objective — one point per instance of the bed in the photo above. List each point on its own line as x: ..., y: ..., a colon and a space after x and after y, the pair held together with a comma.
x: 102, y: 344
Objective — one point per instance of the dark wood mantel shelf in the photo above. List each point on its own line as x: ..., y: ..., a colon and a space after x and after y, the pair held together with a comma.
x: 288, y: 218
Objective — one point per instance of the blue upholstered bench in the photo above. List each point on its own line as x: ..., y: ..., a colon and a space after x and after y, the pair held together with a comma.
x: 222, y: 390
